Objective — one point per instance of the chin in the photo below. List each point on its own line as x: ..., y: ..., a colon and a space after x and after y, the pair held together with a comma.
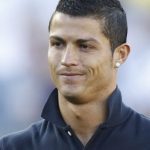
x: 72, y: 95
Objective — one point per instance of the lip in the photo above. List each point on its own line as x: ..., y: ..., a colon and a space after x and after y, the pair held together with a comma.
x: 68, y: 77
x: 70, y: 74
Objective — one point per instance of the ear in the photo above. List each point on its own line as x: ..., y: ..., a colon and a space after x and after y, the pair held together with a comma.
x: 121, y: 54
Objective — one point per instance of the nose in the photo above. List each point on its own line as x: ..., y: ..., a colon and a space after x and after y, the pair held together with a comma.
x: 70, y: 57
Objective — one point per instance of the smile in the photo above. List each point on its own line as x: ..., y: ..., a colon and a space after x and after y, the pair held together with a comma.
x: 71, y: 74
x: 71, y: 77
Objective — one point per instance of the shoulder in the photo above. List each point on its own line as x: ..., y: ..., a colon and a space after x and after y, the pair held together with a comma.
x: 140, y: 124
x: 23, y: 138
x: 140, y: 119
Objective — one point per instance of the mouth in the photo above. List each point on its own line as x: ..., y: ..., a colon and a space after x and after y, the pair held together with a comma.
x: 71, y: 77
x: 70, y: 74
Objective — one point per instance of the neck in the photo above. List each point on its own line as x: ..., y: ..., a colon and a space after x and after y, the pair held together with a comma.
x: 84, y: 119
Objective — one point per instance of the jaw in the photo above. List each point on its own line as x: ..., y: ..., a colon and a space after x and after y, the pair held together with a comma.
x: 71, y: 93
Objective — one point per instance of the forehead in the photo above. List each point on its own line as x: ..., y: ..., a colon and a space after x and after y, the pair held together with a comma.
x: 63, y: 24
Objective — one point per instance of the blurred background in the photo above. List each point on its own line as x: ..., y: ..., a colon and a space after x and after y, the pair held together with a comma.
x: 24, y: 76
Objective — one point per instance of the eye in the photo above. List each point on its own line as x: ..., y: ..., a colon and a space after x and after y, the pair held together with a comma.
x: 57, y: 44
x: 85, y: 47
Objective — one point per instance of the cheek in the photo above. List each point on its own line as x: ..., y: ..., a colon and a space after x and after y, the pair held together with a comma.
x: 94, y: 67
x: 100, y: 70
x: 52, y: 62
x: 53, y: 58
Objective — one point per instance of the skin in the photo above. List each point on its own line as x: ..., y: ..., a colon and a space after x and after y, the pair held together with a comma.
x: 82, y: 68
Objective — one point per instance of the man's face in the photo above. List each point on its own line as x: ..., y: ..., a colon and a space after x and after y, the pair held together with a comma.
x: 80, y: 58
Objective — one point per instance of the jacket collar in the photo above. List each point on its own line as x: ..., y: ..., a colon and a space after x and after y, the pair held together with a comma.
x: 117, y: 111
x: 51, y: 110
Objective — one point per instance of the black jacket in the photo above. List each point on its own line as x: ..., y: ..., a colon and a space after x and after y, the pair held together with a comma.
x: 124, y: 129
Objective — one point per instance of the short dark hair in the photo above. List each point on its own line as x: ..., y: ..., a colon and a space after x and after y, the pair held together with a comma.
x: 111, y: 11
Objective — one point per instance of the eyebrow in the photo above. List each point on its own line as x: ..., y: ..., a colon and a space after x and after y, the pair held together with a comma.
x: 78, y: 40
x: 87, y: 40
x: 56, y: 38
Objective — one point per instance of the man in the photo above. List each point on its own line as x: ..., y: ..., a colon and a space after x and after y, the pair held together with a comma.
x: 87, y: 44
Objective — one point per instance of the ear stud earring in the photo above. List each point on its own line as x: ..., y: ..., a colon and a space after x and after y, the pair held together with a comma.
x: 117, y: 65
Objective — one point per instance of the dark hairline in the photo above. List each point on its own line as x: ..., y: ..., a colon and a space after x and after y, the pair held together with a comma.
x: 85, y: 16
